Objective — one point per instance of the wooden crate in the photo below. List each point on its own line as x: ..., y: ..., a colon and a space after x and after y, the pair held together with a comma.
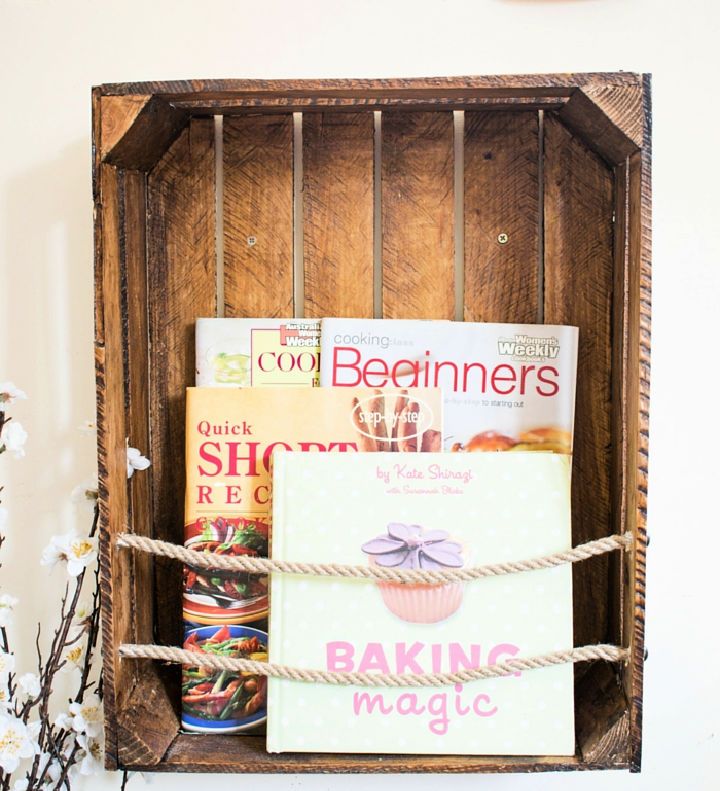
x: 516, y: 199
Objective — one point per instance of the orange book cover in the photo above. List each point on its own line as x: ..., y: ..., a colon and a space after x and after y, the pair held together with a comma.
x: 231, y: 435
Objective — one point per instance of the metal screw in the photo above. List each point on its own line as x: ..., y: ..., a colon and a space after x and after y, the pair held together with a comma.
x: 503, y: 238
x: 251, y: 240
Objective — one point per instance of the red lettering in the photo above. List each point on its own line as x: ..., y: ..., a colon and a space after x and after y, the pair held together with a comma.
x: 351, y: 366
x: 209, y: 457
x: 496, y: 377
x: 234, y: 459
x: 554, y: 386
x: 380, y: 372
x: 524, y: 371
x: 233, y: 494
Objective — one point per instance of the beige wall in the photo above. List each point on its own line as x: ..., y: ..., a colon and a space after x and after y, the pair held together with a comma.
x: 50, y: 55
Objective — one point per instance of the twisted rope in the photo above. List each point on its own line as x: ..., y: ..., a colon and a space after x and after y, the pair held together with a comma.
x: 608, y: 653
x: 267, y: 565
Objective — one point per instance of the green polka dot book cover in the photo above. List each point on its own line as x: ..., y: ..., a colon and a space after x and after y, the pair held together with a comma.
x: 432, y: 512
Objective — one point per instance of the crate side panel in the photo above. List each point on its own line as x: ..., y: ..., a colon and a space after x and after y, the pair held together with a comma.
x: 578, y: 290
x: 502, y: 217
x: 258, y: 215
x: 338, y: 213
x: 115, y: 567
x: 136, y: 350
x: 215, y: 753
x: 418, y: 245
x: 182, y: 278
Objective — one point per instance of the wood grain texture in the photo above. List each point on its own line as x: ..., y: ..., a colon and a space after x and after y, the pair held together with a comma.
x: 181, y: 279
x: 502, y: 196
x: 136, y: 349
x: 258, y: 215
x: 338, y: 214
x: 502, y: 84
x: 118, y: 115
x: 247, y: 754
x: 623, y: 106
x: 602, y: 717
x: 578, y: 290
x: 115, y: 571
x: 638, y: 398
x: 418, y: 215
x: 587, y: 119
x: 136, y: 133
x: 142, y: 698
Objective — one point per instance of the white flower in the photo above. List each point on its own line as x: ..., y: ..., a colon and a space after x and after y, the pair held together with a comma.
x: 15, y: 742
x: 20, y: 785
x: 50, y: 766
x: 7, y: 603
x: 77, y: 551
x: 92, y: 755
x: 136, y: 461
x: 87, y: 427
x: 63, y: 721
x: 4, y: 699
x: 9, y: 393
x: 7, y: 663
x: 13, y: 438
x: 86, y: 493
x: 87, y: 716
x: 29, y: 683
x: 81, y: 619
x: 74, y: 658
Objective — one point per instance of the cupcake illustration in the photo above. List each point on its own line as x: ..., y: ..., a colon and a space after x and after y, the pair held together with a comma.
x: 411, y: 547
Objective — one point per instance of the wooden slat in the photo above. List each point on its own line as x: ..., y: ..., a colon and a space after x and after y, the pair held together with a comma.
x: 181, y: 275
x: 418, y: 215
x: 338, y: 213
x: 638, y: 406
x: 137, y: 393
x: 215, y: 753
x: 501, y: 197
x: 578, y: 290
x: 258, y: 215
x: 115, y: 570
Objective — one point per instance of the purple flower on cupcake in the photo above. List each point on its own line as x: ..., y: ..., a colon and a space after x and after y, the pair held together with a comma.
x: 410, y: 547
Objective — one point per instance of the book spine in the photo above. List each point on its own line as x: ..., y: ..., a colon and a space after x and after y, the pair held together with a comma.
x: 278, y: 470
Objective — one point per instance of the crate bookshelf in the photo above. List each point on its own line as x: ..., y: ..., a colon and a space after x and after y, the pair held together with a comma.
x: 507, y: 198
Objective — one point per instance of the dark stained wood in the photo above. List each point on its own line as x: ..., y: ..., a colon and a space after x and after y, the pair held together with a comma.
x: 578, y: 290
x: 137, y: 133
x: 639, y: 256
x: 601, y: 717
x: 338, y: 213
x: 119, y: 113
x: 502, y: 196
x: 510, y: 85
x: 247, y: 754
x: 181, y: 284
x: 418, y: 216
x: 115, y: 576
x: 136, y: 346
x: 258, y: 215
x: 588, y: 119
x: 595, y: 278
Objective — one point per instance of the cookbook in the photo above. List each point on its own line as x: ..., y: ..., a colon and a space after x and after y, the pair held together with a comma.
x: 231, y: 435
x: 257, y: 352
x: 506, y: 386
x: 427, y: 511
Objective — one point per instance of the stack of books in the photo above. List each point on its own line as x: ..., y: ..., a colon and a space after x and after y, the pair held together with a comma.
x: 403, y: 444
